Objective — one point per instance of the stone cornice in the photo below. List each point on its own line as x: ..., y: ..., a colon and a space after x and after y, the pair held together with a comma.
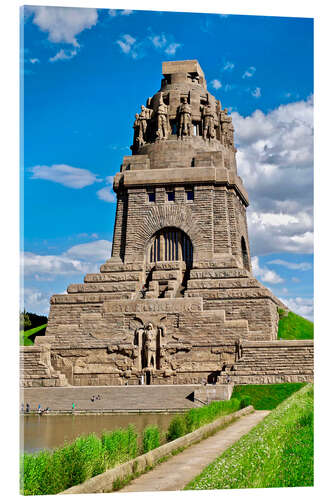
x: 179, y: 176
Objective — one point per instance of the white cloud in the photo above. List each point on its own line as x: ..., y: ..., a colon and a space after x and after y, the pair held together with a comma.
x: 34, y: 300
x: 139, y: 48
x: 228, y: 66
x: 275, y: 161
x: 64, y: 24
x: 216, y: 84
x: 266, y: 275
x: 63, y: 55
x: 34, y: 60
x: 172, y: 48
x: 165, y: 43
x: 256, y: 92
x: 126, y: 44
x: 159, y: 41
x: 93, y: 236
x: 95, y: 251
x: 125, y: 12
x: 106, y: 193
x: 66, y: 175
x: 301, y: 266
x: 301, y: 306
x: 295, y: 280
x: 79, y: 259
x: 249, y: 72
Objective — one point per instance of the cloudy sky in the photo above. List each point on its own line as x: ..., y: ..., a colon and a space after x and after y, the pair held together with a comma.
x: 85, y: 73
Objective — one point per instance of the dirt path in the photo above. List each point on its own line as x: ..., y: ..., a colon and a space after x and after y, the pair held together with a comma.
x: 180, y: 469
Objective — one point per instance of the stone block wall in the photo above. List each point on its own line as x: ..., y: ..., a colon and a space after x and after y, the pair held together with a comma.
x: 272, y: 363
x: 36, y: 369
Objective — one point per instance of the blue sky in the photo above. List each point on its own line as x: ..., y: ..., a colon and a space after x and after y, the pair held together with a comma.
x: 85, y: 73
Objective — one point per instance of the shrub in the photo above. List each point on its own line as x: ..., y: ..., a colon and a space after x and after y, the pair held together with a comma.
x: 177, y: 428
x: 120, y: 445
x: 245, y: 401
x: 47, y: 473
x: 151, y: 438
x: 197, y: 417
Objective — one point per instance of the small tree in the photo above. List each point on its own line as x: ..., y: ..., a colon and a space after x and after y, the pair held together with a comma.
x: 25, y: 322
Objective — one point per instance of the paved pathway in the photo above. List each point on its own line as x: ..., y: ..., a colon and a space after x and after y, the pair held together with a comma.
x: 180, y: 469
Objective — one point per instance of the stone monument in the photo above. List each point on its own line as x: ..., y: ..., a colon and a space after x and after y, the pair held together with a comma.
x: 177, y: 297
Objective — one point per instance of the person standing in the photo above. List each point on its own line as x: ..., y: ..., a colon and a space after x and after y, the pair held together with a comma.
x: 73, y: 407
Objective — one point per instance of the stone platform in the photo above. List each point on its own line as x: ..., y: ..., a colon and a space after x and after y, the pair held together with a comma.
x: 114, y: 399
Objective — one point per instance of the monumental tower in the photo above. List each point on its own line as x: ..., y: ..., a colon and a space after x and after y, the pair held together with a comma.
x: 176, y: 302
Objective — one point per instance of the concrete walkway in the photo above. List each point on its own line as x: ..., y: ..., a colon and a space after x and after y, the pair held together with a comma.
x: 182, y: 468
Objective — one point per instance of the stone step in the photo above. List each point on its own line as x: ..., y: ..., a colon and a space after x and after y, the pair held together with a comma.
x: 273, y: 371
x: 113, y: 397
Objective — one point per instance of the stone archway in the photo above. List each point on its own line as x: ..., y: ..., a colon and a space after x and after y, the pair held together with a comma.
x: 160, y: 217
x: 170, y: 244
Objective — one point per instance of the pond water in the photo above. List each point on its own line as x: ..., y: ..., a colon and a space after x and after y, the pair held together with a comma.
x: 51, y: 431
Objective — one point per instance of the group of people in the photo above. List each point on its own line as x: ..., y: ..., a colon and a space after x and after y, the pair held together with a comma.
x: 96, y: 398
x: 40, y: 410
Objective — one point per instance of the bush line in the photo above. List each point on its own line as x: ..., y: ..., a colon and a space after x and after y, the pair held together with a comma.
x: 50, y: 472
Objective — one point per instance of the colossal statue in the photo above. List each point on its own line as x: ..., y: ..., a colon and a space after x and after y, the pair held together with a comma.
x: 208, y: 122
x: 185, y: 123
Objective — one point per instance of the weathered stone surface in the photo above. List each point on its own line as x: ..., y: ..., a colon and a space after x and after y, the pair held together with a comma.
x: 177, y: 302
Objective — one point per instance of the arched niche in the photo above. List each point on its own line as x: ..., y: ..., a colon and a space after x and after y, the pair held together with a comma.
x: 170, y: 244
x: 245, y: 255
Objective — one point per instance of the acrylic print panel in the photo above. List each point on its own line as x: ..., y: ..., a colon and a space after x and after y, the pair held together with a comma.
x: 182, y: 277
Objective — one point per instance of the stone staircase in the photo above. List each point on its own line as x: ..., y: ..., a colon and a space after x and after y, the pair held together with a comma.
x: 272, y: 362
x: 114, y: 398
x: 36, y: 369
x: 166, y: 280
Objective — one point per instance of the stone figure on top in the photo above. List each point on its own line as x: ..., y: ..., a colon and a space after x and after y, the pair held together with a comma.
x: 138, y: 135
x: 208, y: 122
x: 225, y: 121
x: 162, y: 120
x: 144, y: 116
x: 185, y: 121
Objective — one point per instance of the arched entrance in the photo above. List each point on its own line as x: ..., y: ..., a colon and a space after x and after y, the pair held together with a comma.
x: 170, y: 244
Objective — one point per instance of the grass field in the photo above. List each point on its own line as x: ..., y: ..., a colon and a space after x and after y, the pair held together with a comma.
x: 276, y: 453
x: 24, y: 335
x: 294, y: 327
x: 268, y: 396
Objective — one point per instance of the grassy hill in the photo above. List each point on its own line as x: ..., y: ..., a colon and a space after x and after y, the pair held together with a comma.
x: 277, y: 453
x: 294, y: 327
x: 27, y: 337
x: 266, y: 396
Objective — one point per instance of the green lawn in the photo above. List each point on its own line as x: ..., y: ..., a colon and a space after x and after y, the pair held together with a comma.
x: 267, y: 396
x: 24, y: 335
x: 278, y: 452
x: 294, y: 327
